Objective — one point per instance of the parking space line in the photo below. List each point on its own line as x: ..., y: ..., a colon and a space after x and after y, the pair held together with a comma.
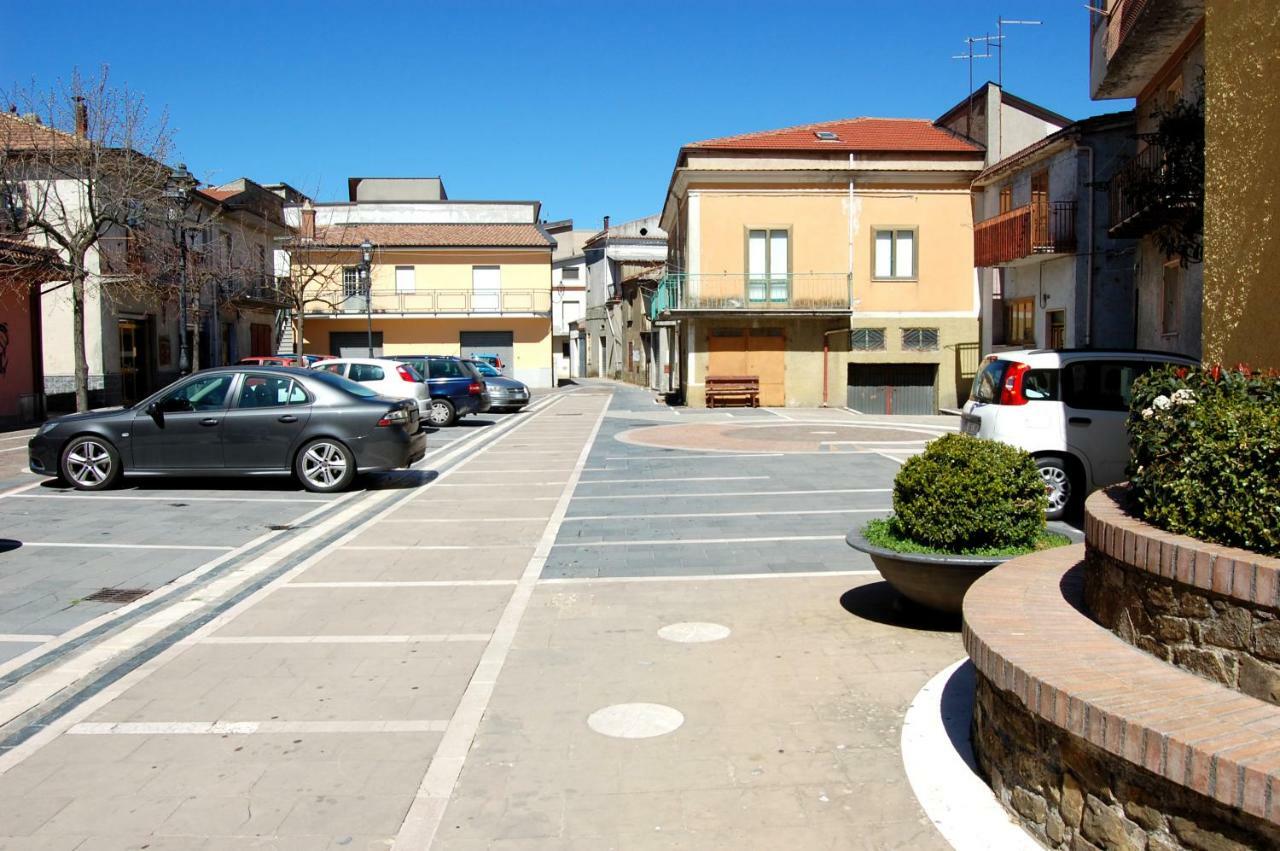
x: 13, y: 449
x: 892, y: 458
x: 690, y: 457
x: 124, y: 546
x: 671, y: 542
x: 734, y: 494
x: 688, y: 479
x: 777, y: 414
x: 401, y: 547
x: 246, y: 728
x: 441, y: 638
x: 708, y: 577
x: 505, y: 519
x: 24, y: 638
x: 795, y: 512
x: 403, y: 583
x: 175, y: 498
x: 495, y: 484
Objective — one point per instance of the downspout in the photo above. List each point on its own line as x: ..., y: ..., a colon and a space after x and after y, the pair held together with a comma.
x: 1088, y: 296
x: 826, y: 336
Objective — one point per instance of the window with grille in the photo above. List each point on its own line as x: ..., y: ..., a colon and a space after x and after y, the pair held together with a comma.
x: 867, y: 339
x: 351, y: 282
x: 920, y: 339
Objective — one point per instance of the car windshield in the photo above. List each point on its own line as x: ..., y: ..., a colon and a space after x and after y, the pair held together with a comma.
x: 485, y: 369
x: 344, y: 384
x: 986, y: 384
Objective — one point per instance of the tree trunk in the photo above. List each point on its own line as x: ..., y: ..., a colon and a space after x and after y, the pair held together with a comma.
x: 298, y: 321
x: 77, y: 333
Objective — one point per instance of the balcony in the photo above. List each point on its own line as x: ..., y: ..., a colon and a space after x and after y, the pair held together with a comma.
x: 1026, y: 231
x: 1130, y: 44
x: 797, y: 293
x: 256, y: 290
x: 431, y: 303
x: 1149, y: 190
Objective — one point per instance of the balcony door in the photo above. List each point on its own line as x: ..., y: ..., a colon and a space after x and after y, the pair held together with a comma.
x: 768, y: 259
x: 1040, y: 209
x: 486, y: 288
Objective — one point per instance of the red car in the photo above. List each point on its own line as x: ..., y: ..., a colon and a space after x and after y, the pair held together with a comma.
x: 282, y: 360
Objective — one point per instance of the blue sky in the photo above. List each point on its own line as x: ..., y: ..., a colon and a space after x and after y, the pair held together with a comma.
x: 580, y: 105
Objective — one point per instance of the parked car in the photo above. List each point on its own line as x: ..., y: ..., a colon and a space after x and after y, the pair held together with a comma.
x: 504, y: 393
x: 383, y: 376
x: 1067, y: 407
x: 455, y: 386
x: 238, y: 420
x: 282, y: 360
x: 487, y: 357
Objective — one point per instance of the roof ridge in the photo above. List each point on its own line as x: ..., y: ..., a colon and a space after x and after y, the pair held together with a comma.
x: 758, y: 134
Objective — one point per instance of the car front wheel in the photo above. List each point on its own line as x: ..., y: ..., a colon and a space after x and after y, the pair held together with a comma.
x: 325, y: 465
x: 442, y: 413
x: 1059, y: 486
x: 90, y: 463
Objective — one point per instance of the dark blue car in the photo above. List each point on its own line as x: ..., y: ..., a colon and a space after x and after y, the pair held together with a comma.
x: 456, y: 388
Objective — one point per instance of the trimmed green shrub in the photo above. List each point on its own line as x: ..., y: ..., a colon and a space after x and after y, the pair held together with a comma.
x: 964, y: 494
x: 1206, y: 454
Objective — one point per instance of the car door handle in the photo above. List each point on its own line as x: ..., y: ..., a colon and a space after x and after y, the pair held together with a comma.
x: 287, y: 418
x: 1079, y: 420
x: 208, y: 421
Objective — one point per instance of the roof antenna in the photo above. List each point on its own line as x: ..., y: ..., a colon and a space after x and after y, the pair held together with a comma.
x: 998, y: 44
x: 968, y: 92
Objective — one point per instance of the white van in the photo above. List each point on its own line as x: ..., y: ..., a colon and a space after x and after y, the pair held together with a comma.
x: 1067, y: 407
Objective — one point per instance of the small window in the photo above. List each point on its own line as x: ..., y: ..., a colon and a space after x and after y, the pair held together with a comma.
x: 920, y: 339
x: 365, y: 372
x: 1019, y: 322
x: 867, y: 339
x: 1170, y: 298
x: 1006, y: 199
x: 569, y: 273
x: 405, y: 279
x: 895, y: 254
x: 351, y: 282
x: 826, y: 136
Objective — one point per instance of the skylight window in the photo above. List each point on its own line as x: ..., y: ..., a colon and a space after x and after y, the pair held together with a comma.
x: 826, y: 136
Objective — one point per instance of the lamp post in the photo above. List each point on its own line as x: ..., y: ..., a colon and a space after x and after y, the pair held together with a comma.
x: 177, y: 191
x: 366, y: 264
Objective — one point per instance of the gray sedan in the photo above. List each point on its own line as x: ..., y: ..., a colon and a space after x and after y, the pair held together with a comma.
x: 241, y: 420
x: 504, y: 393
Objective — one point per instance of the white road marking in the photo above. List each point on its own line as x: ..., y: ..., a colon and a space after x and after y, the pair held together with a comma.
x: 425, y: 814
x: 246, y: 728
x: 24, y: 638
x: 403, y: 583
x: 497, y: 484
x: 892, y: 458
x: 677, y: 457
x: 175, y: 498
x: 734, y: 494
x: 14, y: 449
x: 542, y: 519
x: 672, y: 542
x: 776, y: 414
x: 26, y: 436
x: 72, y: 545
x: 441, y: 638
x: 694, y: 632
x: 709, y: 577
x: 585, y: 517
x: 689, y: 479
x: 874, y: 442
x: 20, y: 489
x: 635, y: 720
x: 401, y: 547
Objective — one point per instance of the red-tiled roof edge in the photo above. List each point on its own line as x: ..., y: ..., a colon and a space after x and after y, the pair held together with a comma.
x: 816, y: 126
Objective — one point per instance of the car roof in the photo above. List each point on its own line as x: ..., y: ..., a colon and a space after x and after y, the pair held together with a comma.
x: 374, y: 361
x: 256, y: 367
x: 1057, y: 357
x: 426, y: 357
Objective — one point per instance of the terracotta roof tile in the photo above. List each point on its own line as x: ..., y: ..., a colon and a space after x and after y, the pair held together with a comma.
x: 217, y: 194
x: 17, y: 133
x: 852, y: 134
x: 443, y: 235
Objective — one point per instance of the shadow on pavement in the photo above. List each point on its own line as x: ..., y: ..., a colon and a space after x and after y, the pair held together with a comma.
x: 9, y: 545
x: 877, y: 601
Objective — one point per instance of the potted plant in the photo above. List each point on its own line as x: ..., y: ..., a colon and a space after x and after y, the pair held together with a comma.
x: 960, y: 508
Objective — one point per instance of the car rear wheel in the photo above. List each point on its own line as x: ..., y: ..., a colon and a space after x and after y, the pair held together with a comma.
x: 90, y: 463
x: 442, y: 413
x: 1059, y: 486
x: 325, y: 466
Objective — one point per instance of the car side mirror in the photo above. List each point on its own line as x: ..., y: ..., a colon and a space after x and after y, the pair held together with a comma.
x: 155, y: 412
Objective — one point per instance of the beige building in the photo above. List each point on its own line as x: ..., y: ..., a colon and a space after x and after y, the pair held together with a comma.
x: 833, y: 261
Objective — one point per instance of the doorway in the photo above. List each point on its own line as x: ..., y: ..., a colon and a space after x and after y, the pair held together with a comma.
x: 135, y: 360
x: 751, y: 351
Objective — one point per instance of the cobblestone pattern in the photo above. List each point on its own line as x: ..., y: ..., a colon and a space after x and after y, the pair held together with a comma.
x: 1208, y: 610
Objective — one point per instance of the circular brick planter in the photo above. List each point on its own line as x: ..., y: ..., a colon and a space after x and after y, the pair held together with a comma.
x: 1209, y: 609
x: 935, y: 581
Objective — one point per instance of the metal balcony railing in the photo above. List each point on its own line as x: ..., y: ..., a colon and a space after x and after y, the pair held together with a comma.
x: 1030, y: 229
x: 267, y: 289
x: 1147, y: 190
x: 740, y: 292
x: 431, y: 302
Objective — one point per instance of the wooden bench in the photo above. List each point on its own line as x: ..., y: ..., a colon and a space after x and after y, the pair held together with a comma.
x: 721, y: 387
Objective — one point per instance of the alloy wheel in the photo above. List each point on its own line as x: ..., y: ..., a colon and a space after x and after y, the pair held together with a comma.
x: 89, y: 463
x: 1057, y: 486
x: 324, y: 465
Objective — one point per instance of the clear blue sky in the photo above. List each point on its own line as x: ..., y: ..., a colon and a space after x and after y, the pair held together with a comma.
x: 581, y: 105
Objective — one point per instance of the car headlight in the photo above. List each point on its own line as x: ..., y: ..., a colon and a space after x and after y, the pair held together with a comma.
x: 47, y: 427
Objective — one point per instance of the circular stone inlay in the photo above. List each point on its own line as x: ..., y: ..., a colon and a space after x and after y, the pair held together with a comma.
x: 635, y: 720
x: 693, y: 633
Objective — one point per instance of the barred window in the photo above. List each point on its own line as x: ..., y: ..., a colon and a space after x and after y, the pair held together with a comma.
x: 867, y: 340
x: 351, y: 282
x: 920, y: 339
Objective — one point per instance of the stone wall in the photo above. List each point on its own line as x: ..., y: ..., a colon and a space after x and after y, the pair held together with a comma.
x: 1072, y: 795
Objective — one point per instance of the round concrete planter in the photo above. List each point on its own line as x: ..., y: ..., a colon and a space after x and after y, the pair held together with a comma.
x: 936, y: 581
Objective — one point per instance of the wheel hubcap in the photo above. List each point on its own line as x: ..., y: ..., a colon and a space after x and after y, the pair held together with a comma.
x: 1056, y: 486
x: 324, y: 465
x: 439, y: 414
x: 89, y: 463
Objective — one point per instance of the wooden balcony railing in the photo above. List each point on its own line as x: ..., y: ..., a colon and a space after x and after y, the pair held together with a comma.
x: 1024, y: 231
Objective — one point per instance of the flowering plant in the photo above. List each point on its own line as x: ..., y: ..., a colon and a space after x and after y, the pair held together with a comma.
x: 1206, y: 454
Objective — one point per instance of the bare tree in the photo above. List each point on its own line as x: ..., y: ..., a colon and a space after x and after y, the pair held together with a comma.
x: 315, y: 280
x: 80, y: 162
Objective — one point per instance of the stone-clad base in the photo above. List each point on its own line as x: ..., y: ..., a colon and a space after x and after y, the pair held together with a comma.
x: 1072, y: 795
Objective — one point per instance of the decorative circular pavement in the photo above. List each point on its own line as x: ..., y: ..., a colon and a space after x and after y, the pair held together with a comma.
x: 783, y: 437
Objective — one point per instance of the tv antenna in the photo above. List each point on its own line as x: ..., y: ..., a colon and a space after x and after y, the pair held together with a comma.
x: 969, y: 55
x: 988, y: 44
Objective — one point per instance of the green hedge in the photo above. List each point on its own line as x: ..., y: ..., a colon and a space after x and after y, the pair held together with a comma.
x: 1206, y: 454
x: 964, y: 494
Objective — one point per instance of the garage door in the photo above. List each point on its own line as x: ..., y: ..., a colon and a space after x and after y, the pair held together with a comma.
x: 751, y: 351
x: 893, y: 388
x: 500, y: 343
x: 354, y: 344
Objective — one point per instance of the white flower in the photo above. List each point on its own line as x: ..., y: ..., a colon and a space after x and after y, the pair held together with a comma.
x: 1162, y: 402
x: 1185, y: 396
x: 1147, y: 413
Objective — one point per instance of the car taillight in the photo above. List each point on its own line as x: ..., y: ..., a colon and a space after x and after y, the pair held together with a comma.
x: 399, y: 416
x: 1011, y: 389
x: 406, y: 374
x: 475, y: 388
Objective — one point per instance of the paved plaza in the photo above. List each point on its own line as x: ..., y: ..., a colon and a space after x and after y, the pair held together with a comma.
x: 600, y: 623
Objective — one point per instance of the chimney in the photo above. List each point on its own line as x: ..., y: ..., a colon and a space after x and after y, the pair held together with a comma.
x: 606, y: 226
x: 308, y: 230
x: 82, y: 118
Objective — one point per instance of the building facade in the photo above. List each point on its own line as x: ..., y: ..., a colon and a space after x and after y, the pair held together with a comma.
x: 568, y: 297
x: 833, y: 261
x: 614, y: 253
x: 445, y: 277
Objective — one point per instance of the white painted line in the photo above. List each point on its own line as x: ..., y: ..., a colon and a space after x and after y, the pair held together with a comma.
x: 14, y: 449
x: 425, y: 814
x: 672, y: 542
x: 585, y: 517
x: 406, y: 583
x: 442, y: 638
x: 124, y: 546
x: 690, y: 479
x: 675, y: 456
x: 246, y: 728
x: 26, y: 436
x: 497, y: 484
x: 777, y: 414
x: 709, y: 577
x: 892, y: 458
x: 24, y: 638
x: 175, y: 498
x: 488, y: 470
x: 734, y: 494
x: 943, y: 774
x: 873, y: 442
x: 23, y: 488
x: 402, y: 547
x: 461, y: 520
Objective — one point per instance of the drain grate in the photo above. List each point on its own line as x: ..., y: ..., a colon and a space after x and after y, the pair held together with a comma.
x: 118, y: 595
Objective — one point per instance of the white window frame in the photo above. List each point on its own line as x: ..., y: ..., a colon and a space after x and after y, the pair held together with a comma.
x: 486, y: 299
x: 773, y: 282
x: 895, y: 233
x: 406, y: 283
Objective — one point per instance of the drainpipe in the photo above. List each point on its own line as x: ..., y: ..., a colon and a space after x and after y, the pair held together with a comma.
x: 1088, y: 313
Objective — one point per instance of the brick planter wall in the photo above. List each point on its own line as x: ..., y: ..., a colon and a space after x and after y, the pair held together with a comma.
x: 1209, y: 609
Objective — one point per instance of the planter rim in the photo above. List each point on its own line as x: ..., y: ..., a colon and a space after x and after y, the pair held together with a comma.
x: 858, y: 542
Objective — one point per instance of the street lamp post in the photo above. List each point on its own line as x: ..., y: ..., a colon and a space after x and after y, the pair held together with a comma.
x: 366, y: 269
x: 177, y: 191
